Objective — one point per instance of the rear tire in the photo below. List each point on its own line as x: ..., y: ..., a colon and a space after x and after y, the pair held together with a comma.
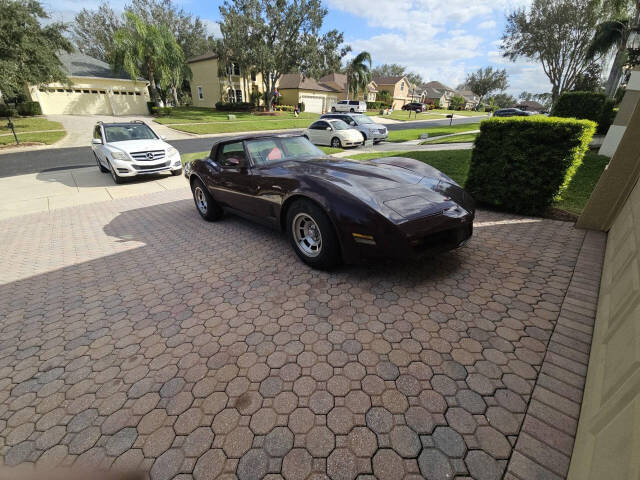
x: 352, y: 111
x: 336, y: 143
x: 207, y: 207
x: 333, y: 109
x: 312, y: 236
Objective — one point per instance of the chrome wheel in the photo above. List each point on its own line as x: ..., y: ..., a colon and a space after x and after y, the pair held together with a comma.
x: 335, y: 143
x: 307, y: 235
x: 201, y: 200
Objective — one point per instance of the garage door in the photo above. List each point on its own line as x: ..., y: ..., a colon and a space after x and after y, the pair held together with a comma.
x: 312, y: 103
x: 74, y: 101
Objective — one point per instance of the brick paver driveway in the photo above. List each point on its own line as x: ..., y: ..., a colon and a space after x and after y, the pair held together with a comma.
x: 134, y: 334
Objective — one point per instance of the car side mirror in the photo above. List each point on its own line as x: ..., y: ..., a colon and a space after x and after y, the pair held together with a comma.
x: 97, y: 141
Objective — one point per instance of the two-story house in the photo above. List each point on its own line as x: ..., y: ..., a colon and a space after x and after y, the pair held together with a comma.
x: 447, y: 93
x: 471, y: 99
x: 338, y: 81
x: 398, y: 87
x: 210, y: 84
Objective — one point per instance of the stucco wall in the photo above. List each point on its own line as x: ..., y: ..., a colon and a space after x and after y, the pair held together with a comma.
x: 205, y: 75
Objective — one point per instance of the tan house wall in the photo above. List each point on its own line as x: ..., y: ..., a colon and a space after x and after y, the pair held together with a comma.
x: 214, y: 88
x: 322, y: 101
x: 92, y: 96
x: 608, y: 440
x: 399, y: 95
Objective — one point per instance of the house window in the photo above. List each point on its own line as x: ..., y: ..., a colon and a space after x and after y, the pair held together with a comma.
x: 233, y: 69
x: 200, y: 94
x: 253, y: 76
x: 238, y: 96
x: 235, y: 95
x: 402, y: 86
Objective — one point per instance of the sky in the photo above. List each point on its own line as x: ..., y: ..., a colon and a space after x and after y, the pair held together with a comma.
x: 440, y: 40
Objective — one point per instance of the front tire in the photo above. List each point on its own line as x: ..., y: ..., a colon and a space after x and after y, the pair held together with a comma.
x: 352, y: 111
x: 100, y: 166
x: 116, y: 178
x: 333, y: 109
x: 336, y: 143
x: 205, y: 204
x: 312, y: 236
x: 175, y: 173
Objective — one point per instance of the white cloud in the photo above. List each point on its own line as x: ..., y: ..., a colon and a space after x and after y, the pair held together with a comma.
x: 487, y: 25
x: 212, y: 27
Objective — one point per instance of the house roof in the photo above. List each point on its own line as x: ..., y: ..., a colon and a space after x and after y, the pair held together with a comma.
x: 531, y: 106
x: 297, y: 80
x: 77, y: 64
x: 433, y: 92
x: 337, y: 79
x: 438, y: 86
x: 204, y: 56
x: 388, y: 80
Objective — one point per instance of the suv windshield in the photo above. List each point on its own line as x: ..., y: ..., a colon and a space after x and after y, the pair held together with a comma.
x: 269, y: 150
x: 122, y: 133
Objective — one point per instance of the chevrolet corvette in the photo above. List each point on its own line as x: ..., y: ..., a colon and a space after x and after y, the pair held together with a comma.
x: 333, y: 209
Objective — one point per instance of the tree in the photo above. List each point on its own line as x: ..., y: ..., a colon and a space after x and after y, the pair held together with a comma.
x: 483, y: 82
x: 590, y: 80
x: 27, y: 48
x: 92, y: 31
x: 542, y: 98
x: 556, y: 33
x: 389, y: 70
x: 457, y: 102
x: 358, y: 73
x: 281, y: 36
x: 141, y: 47
x: 503, y: 100
x: 613, y: 34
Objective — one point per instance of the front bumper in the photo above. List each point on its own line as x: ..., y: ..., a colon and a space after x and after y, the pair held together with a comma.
x: 351, y: 143
x: 132, y: 168
x: 412, y: 240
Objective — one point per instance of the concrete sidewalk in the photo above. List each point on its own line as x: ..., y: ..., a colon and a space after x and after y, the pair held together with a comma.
x: 49, y: 191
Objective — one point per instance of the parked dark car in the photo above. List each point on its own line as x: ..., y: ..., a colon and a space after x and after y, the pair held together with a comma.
x: 333, y: 209
x: 510, y: 112
x: 415, y: 107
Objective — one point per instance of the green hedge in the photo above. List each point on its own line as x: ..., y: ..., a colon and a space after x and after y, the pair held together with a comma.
x: 588, y: 106
x: 7, y: 110
x: 234, y: 106
x: 29, y: 109
x: 377, y: 105
x: 521, y: 164
x: 161, y: 111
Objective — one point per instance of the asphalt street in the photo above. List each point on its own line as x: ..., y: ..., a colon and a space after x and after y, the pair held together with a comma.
x: 35, y: 161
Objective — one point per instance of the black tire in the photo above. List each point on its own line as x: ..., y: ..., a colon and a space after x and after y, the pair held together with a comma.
x: 328, y: 256
x: 364, y: 136
x: 100, y: 166
x: 175, y: 173
x: 114, y: 174
x: 352, y: 111
x: 210, y: 211
x: 336, y: 143
x: 333, y: 109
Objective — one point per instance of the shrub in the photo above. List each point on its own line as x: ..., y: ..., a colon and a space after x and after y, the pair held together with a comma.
x: 150, y: 106
x: 377, y: 105
x: 234, y: 106
x: 284, y: 108
x: 162, y: 111
x: 586, y: 105
x: 29, y: 109
x: 7, y: 110
x: 521, y: 164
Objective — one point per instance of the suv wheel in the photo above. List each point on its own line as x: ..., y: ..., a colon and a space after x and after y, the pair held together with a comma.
x: 116, y: 178
x: 312, y: 236
x: 352, y: 110
x: 100, y: 166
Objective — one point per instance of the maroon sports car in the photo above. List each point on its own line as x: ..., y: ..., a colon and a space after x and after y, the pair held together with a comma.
x: 333, y: 209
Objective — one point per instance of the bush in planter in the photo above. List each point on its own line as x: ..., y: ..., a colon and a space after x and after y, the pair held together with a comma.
x: 586, y: 105
x: 234, y: 106
x: 29, y: 109
x: 521, y: 164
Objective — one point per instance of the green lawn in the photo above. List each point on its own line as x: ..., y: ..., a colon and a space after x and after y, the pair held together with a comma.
x: 188, y: 157
x: 414, y: 133
x: 31, y: 124
x: 455, y: 163
x: 207, y: 120
x: 405, y: 116
x: 461, y: 137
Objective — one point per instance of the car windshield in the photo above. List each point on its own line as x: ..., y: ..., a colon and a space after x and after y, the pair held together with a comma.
x: 269, y: 150
x: 122, y: 133
x: 339, y: 125
x: 363, y: 120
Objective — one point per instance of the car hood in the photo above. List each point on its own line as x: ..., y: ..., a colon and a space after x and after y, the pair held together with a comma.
x: 130, y: 146
x: 401, y: 188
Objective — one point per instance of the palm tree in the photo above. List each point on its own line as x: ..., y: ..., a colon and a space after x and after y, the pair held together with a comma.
x: 140, y: 47
x: 358, y: 73
x: 613, y: 34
